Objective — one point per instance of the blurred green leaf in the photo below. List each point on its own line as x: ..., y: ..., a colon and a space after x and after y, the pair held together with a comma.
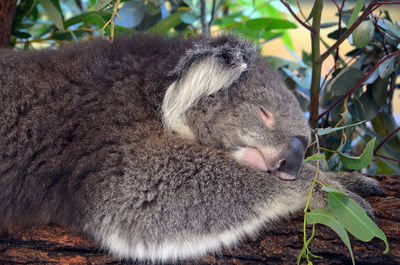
x: 168, y: 23
x: 345, y: 81
x: 361, y: 161
x: 53, y: 13
x: 386, y: 68
x: 369, y: 105
x: 81, y: 18
x: 363, y: 34
x: 269, y: 24
x: 100, y: 4
x: 379, y: 91
x: 356, y: 10
x: 94, y: 19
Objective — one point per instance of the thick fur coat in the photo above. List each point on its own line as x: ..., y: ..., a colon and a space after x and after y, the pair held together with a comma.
x: 159, y: 149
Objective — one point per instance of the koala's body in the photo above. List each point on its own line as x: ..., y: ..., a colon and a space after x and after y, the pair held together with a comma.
x: 161, y: 150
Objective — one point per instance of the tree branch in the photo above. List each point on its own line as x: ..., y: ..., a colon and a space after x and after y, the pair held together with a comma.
x: 386, y: 139
x: 316, y: 63
x: 7, y: 12
x: 359, y: 82
x: 360, y: 19
x: 296, y: 17
x: 388, y: 158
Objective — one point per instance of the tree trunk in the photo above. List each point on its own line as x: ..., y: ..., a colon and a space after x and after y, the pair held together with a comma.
x: 7, y: 13
x: 279, y: 245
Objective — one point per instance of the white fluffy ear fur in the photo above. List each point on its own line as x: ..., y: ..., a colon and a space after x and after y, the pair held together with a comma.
x: 201, y: 80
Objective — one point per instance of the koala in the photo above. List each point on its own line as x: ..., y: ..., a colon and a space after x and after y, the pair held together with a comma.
x: 159, y: 149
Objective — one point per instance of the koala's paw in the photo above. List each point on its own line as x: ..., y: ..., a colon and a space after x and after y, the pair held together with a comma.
x: 357, y: 183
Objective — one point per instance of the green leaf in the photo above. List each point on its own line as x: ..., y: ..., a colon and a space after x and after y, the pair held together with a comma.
x: 278, y: 62
x: 361, y: 161
x: 379, y: 90
x: 53, y: 13
x: 100, y: 4
x: 326, y: 217
x: 21, y: 34
x: 269, y: 23
x: 363, y: 34
x: 356, y: 10
x: 315, y: 157
x: 81, y: 18
x: 168, y: 23
x: 94, y: 19
x: 330, y: 130
x: 369, y: 105
x: 344, y: 81
x: 354, y: 218
x: 386, y: 68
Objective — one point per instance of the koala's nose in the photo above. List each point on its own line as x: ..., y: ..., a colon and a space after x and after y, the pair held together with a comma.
x: 291, y: 161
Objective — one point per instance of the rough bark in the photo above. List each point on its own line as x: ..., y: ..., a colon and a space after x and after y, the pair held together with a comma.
x: 7, y: 13
x: 279, y: 245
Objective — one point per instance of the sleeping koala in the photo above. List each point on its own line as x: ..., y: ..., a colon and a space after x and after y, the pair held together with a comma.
x: 161, y: 150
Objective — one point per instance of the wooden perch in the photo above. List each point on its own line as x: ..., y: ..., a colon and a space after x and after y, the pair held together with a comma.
x: 279, y: 245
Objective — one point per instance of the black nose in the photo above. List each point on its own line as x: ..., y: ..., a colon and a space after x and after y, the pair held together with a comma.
x: 292, y: 158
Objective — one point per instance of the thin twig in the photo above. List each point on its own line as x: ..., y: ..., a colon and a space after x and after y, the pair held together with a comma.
x: 296, y: 17
x: 386, y: 139
x: 359, y: 82
x: 360, y: 19
x: 388, y: 158
x: 340, y: 11
x: 300, y: 10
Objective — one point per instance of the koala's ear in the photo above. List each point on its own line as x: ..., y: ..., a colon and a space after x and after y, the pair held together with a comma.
x: 205, y: 69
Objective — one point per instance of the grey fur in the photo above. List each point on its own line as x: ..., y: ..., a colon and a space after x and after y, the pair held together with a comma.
x: 82, y: 144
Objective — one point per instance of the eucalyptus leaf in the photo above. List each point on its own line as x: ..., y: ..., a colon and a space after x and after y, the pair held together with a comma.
x: 315, y: 157
x: 369, y: 105
x: 379, y: 90
x: 168, y: 23
x: 331, y: 130
x: 361, y: 161
x: 269, y: 23
x: 345, y: 80
x: 386, y: 67
x: 372, y: 77
x: 356, y: 10
x: 354, y: 218
x: 53, y: 13
x: 363, y: 34
x: 327, y: 218
x: 100, y: 4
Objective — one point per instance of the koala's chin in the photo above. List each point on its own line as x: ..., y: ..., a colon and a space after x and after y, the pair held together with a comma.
x: 160, y: 150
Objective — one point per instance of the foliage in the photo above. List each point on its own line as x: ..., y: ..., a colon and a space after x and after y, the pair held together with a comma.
x: 353, y: 102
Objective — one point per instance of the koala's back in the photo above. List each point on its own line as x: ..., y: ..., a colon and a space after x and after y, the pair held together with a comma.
x: 63, y: 115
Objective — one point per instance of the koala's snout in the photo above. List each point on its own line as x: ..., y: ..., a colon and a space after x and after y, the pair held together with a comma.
x: 289, y: 165
x: 285, y: 164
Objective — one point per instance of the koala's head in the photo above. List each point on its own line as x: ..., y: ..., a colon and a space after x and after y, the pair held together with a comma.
x: 226, y: 96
